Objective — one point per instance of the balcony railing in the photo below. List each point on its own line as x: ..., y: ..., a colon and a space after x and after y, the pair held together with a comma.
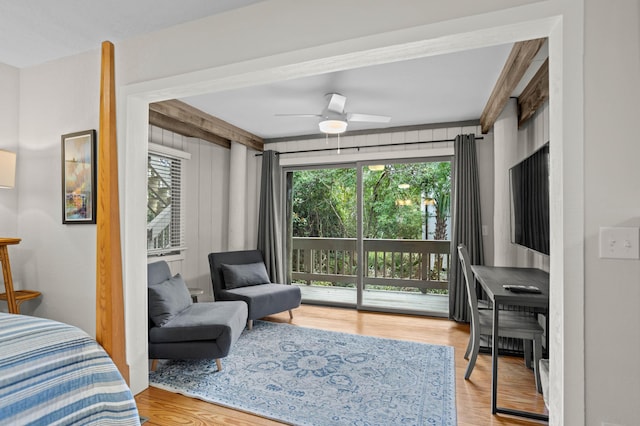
x: 388, y: 263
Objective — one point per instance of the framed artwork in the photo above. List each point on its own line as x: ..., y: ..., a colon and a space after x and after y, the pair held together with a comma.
x: 79, y: 177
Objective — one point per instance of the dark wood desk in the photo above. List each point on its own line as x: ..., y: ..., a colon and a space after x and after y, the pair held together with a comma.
x: 492, y: 279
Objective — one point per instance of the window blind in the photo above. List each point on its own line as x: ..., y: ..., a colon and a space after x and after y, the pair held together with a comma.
x: 165, y: 213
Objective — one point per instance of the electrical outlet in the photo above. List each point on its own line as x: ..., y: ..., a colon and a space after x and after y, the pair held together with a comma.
x: 619, y: 243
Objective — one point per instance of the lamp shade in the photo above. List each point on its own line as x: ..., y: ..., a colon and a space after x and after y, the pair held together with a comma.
x: 333, y: 126
x: 7, y: 169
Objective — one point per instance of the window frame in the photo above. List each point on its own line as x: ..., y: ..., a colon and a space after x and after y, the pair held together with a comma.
x: 182, y: 157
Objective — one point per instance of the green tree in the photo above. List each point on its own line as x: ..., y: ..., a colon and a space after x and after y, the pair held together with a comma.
x: 391, y: 210
x: 435, y: 181
x: 394, y: 198
x: 324, y: 201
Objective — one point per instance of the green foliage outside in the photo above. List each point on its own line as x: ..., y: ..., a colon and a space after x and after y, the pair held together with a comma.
x: 324, y: 201
x: 401, y: 201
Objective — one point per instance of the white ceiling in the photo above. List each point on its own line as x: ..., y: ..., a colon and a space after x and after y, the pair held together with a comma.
x: 446, y: 88
x: 438, y: 89
x: 37, y: 31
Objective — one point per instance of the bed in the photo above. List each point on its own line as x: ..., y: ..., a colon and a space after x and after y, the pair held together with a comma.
x: 55, y: 374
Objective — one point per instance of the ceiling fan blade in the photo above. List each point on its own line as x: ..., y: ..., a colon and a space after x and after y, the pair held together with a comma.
x: 370, y: 118
x: 299, y: 115
x: 336, y: 103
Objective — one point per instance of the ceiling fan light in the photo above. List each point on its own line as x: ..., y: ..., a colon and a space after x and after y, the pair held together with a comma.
x: 333, y: 126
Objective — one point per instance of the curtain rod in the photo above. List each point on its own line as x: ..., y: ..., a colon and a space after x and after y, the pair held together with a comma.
x: 363, y: 146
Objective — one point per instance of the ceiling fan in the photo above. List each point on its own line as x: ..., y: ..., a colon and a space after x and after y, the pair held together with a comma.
x: 334, y: 119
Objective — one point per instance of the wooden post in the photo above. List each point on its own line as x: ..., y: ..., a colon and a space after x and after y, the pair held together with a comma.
x: 110, y: 330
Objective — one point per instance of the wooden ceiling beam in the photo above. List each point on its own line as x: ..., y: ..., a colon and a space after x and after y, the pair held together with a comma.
x: 183, y: 113
x: 534, y: 95
x: 185, y: 129
x: 514, y: 69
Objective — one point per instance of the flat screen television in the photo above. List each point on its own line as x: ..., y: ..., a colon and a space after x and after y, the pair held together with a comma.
x: 529, y: 187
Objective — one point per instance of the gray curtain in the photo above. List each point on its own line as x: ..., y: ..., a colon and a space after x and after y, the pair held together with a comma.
x: 466, y: 222
x: 270, y: 234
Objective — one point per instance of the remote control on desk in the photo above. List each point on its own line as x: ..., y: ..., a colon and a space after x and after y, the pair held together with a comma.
x: 522, y: 288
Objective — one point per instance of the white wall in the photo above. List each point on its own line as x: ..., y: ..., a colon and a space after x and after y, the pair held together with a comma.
x: 514, y: 145
x: 505, y: 146
x: 58, y: 260
x: 277, y: 27
x: 9, y: 102
x: 207, y: 197
x: 612, y: 198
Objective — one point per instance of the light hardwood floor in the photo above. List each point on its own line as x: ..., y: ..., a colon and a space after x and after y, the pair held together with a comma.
x: 516, y: 384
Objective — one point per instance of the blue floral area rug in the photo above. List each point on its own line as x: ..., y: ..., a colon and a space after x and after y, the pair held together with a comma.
x: 305, y: 376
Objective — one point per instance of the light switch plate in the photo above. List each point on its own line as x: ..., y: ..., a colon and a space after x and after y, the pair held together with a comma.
x: 619, y: 243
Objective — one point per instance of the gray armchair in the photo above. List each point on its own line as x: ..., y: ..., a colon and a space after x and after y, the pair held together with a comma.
x: 241, y: 275
x: 181, y: 329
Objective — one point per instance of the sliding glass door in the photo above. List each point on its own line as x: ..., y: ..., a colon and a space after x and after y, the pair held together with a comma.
x: 371, y: 236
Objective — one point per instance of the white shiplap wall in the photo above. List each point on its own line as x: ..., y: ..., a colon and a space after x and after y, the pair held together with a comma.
x: 206, y: 206
x: 375, y: 140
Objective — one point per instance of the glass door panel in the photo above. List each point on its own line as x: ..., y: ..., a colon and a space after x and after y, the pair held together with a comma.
x: 322, y: 229
x: 405, y: 230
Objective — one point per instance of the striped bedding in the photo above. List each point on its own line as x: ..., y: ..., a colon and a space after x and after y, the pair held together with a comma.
x: 55, y: 374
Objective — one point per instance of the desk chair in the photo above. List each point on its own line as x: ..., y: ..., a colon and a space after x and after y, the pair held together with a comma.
x: 517, y: 325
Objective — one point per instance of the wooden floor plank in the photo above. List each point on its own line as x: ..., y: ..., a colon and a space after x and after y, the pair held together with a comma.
x: 516, y: 382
